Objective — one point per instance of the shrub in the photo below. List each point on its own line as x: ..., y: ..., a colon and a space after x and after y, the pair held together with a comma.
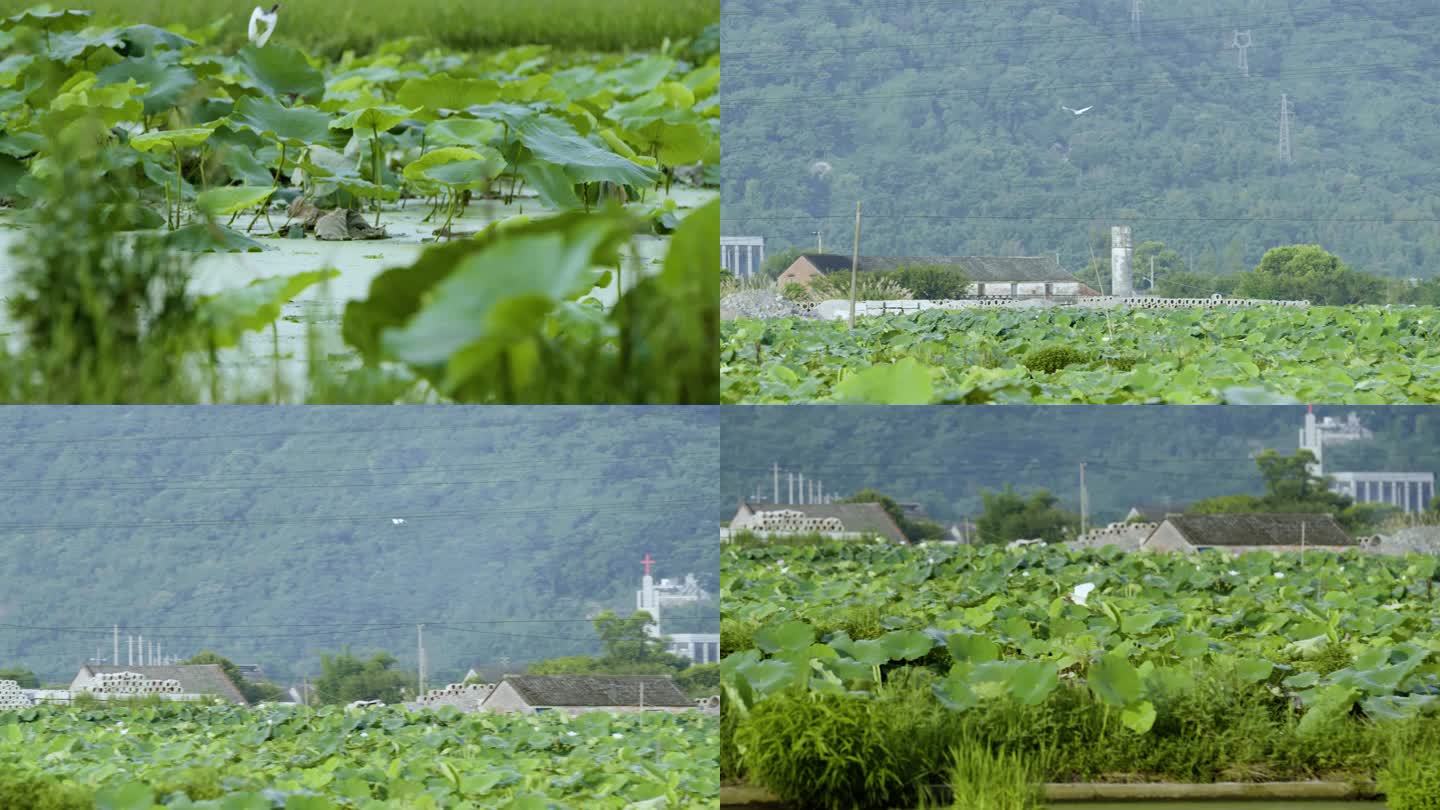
x: 1411, y: 781
x: 932, y: 283
x: 35, y: 792
x: 1051, y: 359
x: 868, y: 287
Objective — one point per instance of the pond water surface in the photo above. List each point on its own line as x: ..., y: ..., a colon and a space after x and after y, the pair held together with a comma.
x: 321, y: 307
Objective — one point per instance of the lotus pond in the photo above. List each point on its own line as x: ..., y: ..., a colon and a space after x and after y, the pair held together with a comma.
x: 862, y: 669
x: 138, y: 758
x: 517, y: 225
x: 1361, y: 355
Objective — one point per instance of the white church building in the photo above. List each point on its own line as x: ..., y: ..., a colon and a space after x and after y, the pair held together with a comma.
x: 702, y: 648
x: 1411, y: 491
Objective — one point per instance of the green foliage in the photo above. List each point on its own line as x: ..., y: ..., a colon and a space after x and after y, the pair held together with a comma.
x: 1051, y: 359
x: 103, y: 320
x: 1291, y: 488
x: 1008, y: 516
x: 367, y: 465
x: 1179, y: 669
x: 970, y: 154
x: 234, y: 758
x: 931, y: 283
x: 795, y: 291
x: 868, y: 287
x: 507, y: 317
x: 345, y: 678
x: 700, y: 680
x: 1309, y: 273
x: 1411, y: 779
x: 40, y: 792
x: 368, y: 26
x: 1359, y: 355
x: 21, y: 676
x: 981, y: 779
x: 777, y: 262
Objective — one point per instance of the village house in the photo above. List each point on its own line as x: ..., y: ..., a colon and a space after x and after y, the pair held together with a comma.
x: 193, y: 679
x: 577, y: 694
x: 1239, y: 533
x: 849, y: 521
x: 1020, y: 276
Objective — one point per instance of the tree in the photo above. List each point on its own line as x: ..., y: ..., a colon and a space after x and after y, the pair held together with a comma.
x: 24, y: 677
x: 932, y: 282
x: 1009, y: 516
x: 1290, y: 487
x: 1309, y: 272
x: 254, y: 692
x: 345, y: 678
x: 629, y: 650
x: 776, y: 263
x: 1194, y: 285
x: 914, y: 530
x: 1165, y: 262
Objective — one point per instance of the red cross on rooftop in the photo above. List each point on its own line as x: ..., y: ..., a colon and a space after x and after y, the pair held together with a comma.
x: 647, y: 562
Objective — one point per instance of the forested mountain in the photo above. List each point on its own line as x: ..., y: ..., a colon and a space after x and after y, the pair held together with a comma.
x: 946, y: 119
x: 944, y: 457
x: 270, y: 535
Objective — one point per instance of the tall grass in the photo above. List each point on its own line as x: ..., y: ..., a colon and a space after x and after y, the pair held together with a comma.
x: 982, y: 779
x: 365, y: 25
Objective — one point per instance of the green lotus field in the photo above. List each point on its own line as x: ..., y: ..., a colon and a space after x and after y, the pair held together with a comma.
x: 519, y: 224
x: 861, y: 669
x: 228, y: 758
x: 1360, y: 355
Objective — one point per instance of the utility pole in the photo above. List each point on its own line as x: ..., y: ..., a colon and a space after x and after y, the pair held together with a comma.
x: 1302, y: 545
x: 1241, y: 43
x: 642, y: 696
x: 790, y: 484
x: 776, y: 469
x: 855, y: 265
x: 802, y: 489
x: 420, y: 658
x: 1084, y: 501
x: 1135, y: 18
x: 1287, y: 155
x: 115, y: 658
x: 819, y: 241
x: 1152, y: 275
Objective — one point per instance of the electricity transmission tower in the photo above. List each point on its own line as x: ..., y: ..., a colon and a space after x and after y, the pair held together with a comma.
x: 1241, y: 43
x: 1135, y: 18
x: 1286, y: 112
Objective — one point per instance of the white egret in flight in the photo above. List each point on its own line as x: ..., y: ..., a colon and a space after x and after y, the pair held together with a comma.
x: 1062, y: 106
x: 397, y: 521
x: 259, y: 16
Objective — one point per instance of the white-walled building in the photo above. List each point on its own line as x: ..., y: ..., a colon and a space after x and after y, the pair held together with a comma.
x: 702, y: 648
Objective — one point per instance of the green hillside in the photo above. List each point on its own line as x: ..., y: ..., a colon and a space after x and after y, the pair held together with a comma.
x: 1152, y: 455
x: 945, y: 119
x: 268, y: 534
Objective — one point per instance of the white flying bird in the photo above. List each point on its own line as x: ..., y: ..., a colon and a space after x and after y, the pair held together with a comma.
x: 397, y: 521
x: 258, y: 16
x: 1082, y: 592
x: 1062, y: 106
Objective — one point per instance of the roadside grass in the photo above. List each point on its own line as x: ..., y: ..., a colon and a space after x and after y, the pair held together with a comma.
x: 363, y: 26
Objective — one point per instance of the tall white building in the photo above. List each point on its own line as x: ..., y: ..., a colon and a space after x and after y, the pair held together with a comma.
x: 702, y: 648
x: 1410, y: 491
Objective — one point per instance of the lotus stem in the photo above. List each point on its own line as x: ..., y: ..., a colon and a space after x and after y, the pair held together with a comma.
x: 179, y: 184
x: 375, y: 165
x: 265, y: 203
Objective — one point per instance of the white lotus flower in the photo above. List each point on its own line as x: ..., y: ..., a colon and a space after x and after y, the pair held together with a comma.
x: 571, y: 734
x: 396, y: 521
x: 617, y: 735
x: 258, y: 16
x: 1082, y: 592
x: 1279, y: 574
x: 1234, y: 573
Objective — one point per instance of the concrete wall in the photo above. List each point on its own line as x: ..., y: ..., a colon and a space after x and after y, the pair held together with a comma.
x: 1167, y: 538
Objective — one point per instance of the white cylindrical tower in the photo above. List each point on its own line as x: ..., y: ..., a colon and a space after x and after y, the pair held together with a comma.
x: 1122, y: 283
